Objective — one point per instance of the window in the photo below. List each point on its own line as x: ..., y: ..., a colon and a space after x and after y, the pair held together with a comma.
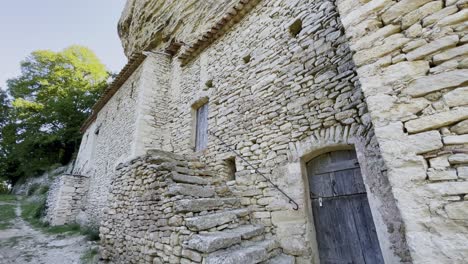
x: 231, y: 168
x: 201, y: 133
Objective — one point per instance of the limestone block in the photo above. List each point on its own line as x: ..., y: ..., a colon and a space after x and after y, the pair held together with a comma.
x: 451, y: 53
x: 198, y: 205
x: 282, y: 259
x: 439, y: 162
x: 404, y: 71
x: 464, y: 39
x: 414, y: 44
x: 363, y: 11
x: 425, y: 142
x: 367, y: 41
x: 414, y: 31
x: 454, y: 19
x: 457, y: 97
x: 453, y: 140
x: 401, y: 8
x: 433, y: 46
x: 190, y: 254
x: 450, y: 2
x: 437, y: 16
x: 438, y: 175
x: 462, y: 172
x: 432, y: 83
x: 191, y: 190
x: 457, y: 210
x: 261, y: 214
x: 416, y: 15
x: 448, y: 188
x: 463, y: 64
x: 345, y: 114
x: 460, y: 158
x: 293, y: 245
x: 392, y: 43
x: 436, y: 120
x: 460, y: 128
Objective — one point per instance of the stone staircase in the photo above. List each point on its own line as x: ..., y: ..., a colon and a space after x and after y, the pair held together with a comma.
x: 223, y: 231
x: 179, y: 212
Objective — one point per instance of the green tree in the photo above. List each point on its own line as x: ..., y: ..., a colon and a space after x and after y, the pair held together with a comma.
x: 4, y: 121
x: 50, y: 100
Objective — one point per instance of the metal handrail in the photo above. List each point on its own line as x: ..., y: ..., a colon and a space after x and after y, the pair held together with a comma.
x: 291, y: 200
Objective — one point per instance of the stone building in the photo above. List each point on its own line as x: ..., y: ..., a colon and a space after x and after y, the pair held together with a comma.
x: 281, y: 131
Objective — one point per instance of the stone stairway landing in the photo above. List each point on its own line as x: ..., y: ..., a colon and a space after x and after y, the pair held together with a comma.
x: 212, y: 241
x: 222, y: 229
x: 205, y: 222
x: 254, y: 253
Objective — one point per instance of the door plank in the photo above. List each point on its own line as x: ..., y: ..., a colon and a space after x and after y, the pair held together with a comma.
x: 366, y: 229
x: 321, y: 185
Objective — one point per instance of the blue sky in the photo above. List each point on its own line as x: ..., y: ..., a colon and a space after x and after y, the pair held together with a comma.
x: 28, y: 25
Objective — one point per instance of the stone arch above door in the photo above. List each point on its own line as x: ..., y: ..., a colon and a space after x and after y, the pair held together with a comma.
x: 386, y: 215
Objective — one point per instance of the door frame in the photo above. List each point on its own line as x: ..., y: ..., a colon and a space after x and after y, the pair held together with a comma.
x: 341, y: 197
x: 374, y: 202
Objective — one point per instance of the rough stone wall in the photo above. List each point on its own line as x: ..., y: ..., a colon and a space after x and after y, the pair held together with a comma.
x: 65, y: 198
x: 412, y: 63
x: 281, y: 98
x: 151, y: 132
x: 272, y: 93
x: 155, y: 212
x: 150, y: 22
x: 107, y: 142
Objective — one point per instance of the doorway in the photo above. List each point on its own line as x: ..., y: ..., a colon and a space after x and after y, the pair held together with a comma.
x: 345, y: 229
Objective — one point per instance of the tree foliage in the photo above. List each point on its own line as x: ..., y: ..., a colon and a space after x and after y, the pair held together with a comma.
x: 49, y: 101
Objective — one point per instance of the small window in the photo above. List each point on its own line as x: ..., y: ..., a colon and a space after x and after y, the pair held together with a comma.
x: 201, y: 135
x: 98, y: 129
x: 231, y: 168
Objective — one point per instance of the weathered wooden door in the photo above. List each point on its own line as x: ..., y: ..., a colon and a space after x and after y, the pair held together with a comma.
x: 201, y: 136
x: 343, y: 221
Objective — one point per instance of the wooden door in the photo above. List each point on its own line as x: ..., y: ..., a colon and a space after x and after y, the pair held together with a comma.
x: 343, y: 221
x: 201, y: 136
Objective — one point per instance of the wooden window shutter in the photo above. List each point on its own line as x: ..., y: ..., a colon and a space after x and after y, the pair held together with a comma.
x: 201, y: 137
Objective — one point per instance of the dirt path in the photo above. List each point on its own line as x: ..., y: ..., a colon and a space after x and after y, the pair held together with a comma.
x: 22, y: 244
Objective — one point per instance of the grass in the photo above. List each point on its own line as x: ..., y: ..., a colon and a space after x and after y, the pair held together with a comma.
x: 7, y: 198
x: 32, y: 212
x: 89, y: 256
x: 7, y: 215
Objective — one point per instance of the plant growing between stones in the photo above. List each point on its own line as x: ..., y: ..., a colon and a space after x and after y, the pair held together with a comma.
x: 295, y: 28
x: 209, y: 83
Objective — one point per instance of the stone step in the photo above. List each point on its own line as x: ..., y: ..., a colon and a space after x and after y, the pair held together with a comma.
x: 280, y: 259
x: 177, y: 177
x: 157, y: 155
x: 251, y: 254
x: 196, y: 172
x: 210, y: 242
x: 205, y: 222
x: 191, y: 190
x: 204, y: 204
